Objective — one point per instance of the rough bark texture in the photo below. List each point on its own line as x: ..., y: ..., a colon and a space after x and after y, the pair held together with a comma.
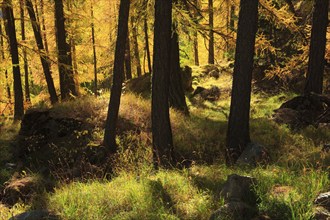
x: 67, y: 83
x: 238, y: 135
x: 45, y: 61
x: 211, y: 34
x: 177, y: 97
x: 11, y: 33
x: 161, y: 127
x: 136, y: 46
x: 316, y: 60
x: 44, y: 26
x: 118, y: 73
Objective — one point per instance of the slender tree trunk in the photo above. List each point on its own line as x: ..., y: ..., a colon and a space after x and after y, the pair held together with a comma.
x: 136, y: 45
x: 67, y: 83
x: 3, y: 58
x: 161, y: 126
x: 177, y: 97
x: 94, y: 51
x: 211, y: 34
x: 11, y: 33
x: 118, y: 73
x: 196, y: 39
x: 45, y: 61
x: 44, y: 26
x: 232, y: 18
x: 128, y: 67
x: 26, y: 67
x: 146, y: 37
x: 238, y: 134
x: 316, y: 60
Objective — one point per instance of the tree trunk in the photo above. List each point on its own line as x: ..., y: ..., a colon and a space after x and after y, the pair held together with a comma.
x: 177, y: 97
x: 136, y: 45
x: 161, y: 126
x: 11, y: 33
x: 44, y: 26
x: 128, y: 67
x: 26, y: 67
x: 67, y: 83
x: 45, y: 61
x: 3, y: 58
x: 211, y: 34
x: 196, y: 58
x: 118, y: 73
x: 316, y: 60
x: 94, y: 51
x: 238, y: 134
x: 146, y: 37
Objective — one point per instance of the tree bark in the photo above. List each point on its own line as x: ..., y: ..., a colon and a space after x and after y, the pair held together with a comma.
x: 136, y: 45
x: 128, y: 67
x: 118, y: 74
x: 211, y: 34
x: 161, y: 127
x: 316, y: 60
x: 3, y: 58
x: 196, y: 58
x: 11, y: 33
x: 177, y: 97
x: 26, y: 67
x: 238, y: 134
x: 146, y: 37
x: 67, y: 83
x: 94, y: 51
x: 44, y: 26
x: 45, y: 61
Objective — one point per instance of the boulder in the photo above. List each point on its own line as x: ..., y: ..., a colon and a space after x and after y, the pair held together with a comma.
x: 234, y: 211
x: 323, y: 200
x: 35, y: 215
x: 212, y: 94
x: 321, y: 213
x: 239, y: 188
x: 215, y: 73
x: 252, y: 155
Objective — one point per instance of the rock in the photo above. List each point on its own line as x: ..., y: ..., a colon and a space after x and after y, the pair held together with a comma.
x: 234, y: 211
x: 320, y: 213
x: 186, y: 72
x: 326, y: 148
x: 252, y: 155
x: 286, y: 116
x: 207, y: 69
x: 198, y: 90
x: 239, y: 188
x: 323, y: 200
x: 35, y: 215
x: 215, y: 73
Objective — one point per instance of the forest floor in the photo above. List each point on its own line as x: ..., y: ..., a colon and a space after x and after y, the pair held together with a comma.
x: 126, y: 186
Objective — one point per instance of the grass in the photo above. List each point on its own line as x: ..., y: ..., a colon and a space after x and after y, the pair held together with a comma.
x: 136, y: 191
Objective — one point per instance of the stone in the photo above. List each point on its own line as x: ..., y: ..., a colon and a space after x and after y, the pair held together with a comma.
x: 215, y: 74
x: 252, y: 155
x: 323, y: 200
x: 239, y: 188
x: 234, y: 211
x: 320, y: 213
x: 35, y: 215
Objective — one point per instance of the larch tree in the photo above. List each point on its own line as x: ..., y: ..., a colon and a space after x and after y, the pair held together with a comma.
x: 196, y: 57
x: 146, y: 35
x: 211, y: 33
x: 316, y: 60
x: 67, y: 82
x: 161, y: 127
x: 177, y: 97
x: 238, y: 134
x: 118, y: 75
x: 11, y: 33
x: 26, y: 66
x: 44, y: 58
x: 3, y: 58
x: 94, y: 49
x: 128, y: 66
x: 134, y: 26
